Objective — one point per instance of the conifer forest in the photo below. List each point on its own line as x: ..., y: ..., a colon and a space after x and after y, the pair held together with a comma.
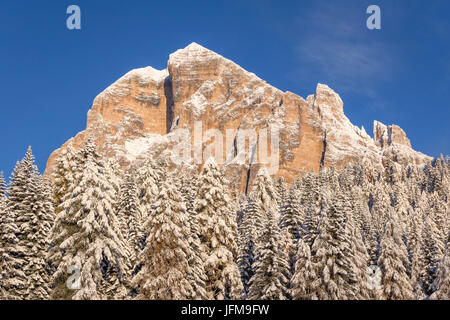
x: 94, y: 231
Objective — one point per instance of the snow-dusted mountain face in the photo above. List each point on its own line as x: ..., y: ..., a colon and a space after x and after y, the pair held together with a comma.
x: 161, y: 113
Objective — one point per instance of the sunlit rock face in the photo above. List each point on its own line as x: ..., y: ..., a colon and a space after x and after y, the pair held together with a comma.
x: 155, y: 113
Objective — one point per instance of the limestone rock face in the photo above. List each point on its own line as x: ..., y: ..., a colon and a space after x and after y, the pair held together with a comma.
x: 202, y: 94
x: 133, y: 106
x: 386, y: 136
x: 395, y: 145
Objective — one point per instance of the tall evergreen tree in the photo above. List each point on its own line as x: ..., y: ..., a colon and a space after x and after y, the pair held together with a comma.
x: 25, y: 229
x: 2, y: 185
x: 360, y: 257
x: 169, y: 276
x: 87, y: 236
x: 378, y: 209
x: 264, y: 192
x: 334, y: 257
x: 217, y: 229
x: 304, y: 277
x: 3, y: 216
x: 197, y: 277
x: 187, y: 177
x: 441, y: 285
x: 12, y: 261
x: 271, y: 278
x: 440, y: 214
x: 431, y: 255
x: 149, y: 179
x: 281, y: 190
x: 314, y: 204
x: 132, y: 225
x: 64, y: 175
x: 292, y: 215
x: 41, y: 221
x: 393, y: 263
x: 251, y: 228
x: 415, y: 248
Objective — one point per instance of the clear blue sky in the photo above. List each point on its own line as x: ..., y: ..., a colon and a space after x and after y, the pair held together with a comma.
x: 50, y: 75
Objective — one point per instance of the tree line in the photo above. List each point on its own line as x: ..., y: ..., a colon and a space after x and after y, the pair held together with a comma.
x: 94, y: 231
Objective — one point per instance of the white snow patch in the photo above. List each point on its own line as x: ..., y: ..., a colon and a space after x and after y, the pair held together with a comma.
x: 197, y: 104
x: 147, y: 75
x: 122, y: 87
x: 139, y: 146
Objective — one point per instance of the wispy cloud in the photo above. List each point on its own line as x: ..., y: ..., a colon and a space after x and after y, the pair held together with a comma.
x: 336, y: 43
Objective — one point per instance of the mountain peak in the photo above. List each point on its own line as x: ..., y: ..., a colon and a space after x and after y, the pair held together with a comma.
x: 195, y: 46
x: 193, y: 52
x: 385, y: 136
x: 144, y: 113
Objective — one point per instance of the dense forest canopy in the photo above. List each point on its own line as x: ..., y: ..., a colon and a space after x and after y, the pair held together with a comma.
x: 94, y: 231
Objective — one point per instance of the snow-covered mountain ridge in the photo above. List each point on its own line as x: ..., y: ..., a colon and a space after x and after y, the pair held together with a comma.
x: 139, y: 116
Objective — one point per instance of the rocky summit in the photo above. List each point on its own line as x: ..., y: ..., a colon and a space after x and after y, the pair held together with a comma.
x: 142, y: 114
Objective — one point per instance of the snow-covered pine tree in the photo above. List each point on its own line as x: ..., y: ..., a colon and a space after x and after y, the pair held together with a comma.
x: 360, y: 174
x: 353, y: 201
x: 304, y: 276
x: 149, y: 178
x: 292, y: 215
x: 310, y: 227
x: 402, y: 205
x: 440, y: 215
x: 2, y: 212
x: 114, y: 174
x: 415, y: 228
x: 415, y: 239
x: 345, y: 178
x: 291, y: 222
x: 87, y: 237
x: 379, y: 206
x: 391, y: 173
x: 14, y: 260
x: 362, y: 217
x: 168, y: 274
x: 25, y: 227
x: 361, y: 258
x: 197, y: 277
x: 313, y: 203
x: 254, y: 220
x: 2, y: 185
x: 264, y: 193
x: 187, y: 178
x: 333, y: 255
x: 41, y: 220
x: 64, y: 175
x: 309, y: 189
x: 10, y: 277
x: 393, y: 262
x: 271, y: 278
x: 441, y: 285
x: 217, y: 228
x: 288, y: 247
x: 251, y: 228
x: 131, y: 225
x: 281, y: 190
x: 3, y: 216
x: 431, y: 255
